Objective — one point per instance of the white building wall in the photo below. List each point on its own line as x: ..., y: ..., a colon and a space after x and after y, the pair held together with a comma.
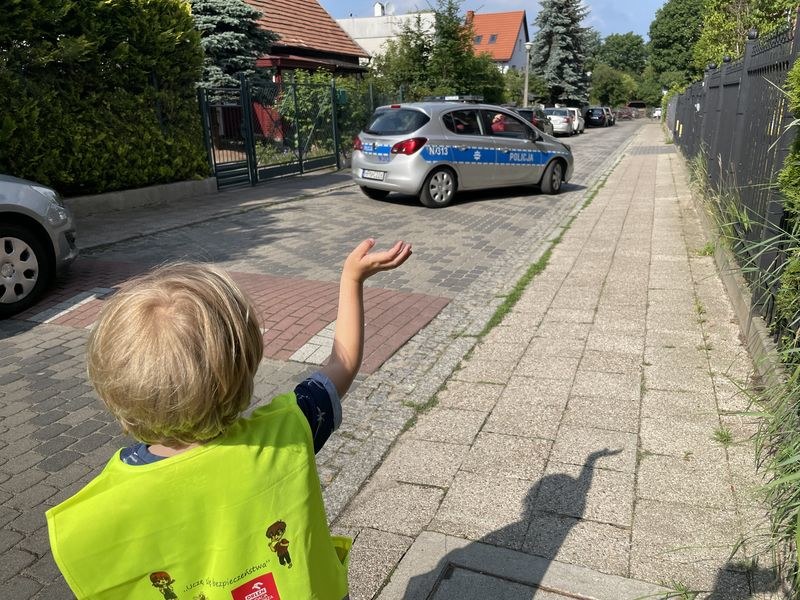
x: 371, y: 33
x: 518, y: 57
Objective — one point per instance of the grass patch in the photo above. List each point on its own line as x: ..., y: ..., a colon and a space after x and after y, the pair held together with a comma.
x: 512, y: 298
x: 707, y: 250
x: 723, y: 436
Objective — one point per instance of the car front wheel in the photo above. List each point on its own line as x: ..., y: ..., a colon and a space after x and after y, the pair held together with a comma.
x: 25, y: 271
x: 439, y: 188
x: 373, y: 193
x: 552, y: 178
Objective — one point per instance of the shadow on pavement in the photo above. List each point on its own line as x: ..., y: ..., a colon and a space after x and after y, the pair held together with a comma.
x: 451, y: 579
x: 471, y: 196
x: 732, y: 583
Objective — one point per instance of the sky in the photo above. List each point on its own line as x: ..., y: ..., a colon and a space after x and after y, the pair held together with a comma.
x: 607, y: 16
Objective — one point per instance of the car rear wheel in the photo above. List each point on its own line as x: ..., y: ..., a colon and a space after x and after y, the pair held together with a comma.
x: 439, y: 188
x: 552, y: 178
x: 373, y: 193
x: 25, y: 270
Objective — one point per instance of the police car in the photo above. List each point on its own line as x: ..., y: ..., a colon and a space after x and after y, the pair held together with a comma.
x: 433, y: 149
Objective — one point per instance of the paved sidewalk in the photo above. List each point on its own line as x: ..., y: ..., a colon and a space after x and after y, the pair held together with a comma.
x: 107, y: 228
x: 582, y: 449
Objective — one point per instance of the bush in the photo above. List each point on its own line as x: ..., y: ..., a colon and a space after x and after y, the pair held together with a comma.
x: 99, y: 94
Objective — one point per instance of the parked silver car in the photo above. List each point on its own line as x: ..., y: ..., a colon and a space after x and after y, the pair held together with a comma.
x: 433, y: 149
x: 561, y: 118
x: 578, y: 123
x: 37, y: 240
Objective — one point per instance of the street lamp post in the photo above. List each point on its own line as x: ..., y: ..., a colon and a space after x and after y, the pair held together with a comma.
x: 528, y: 46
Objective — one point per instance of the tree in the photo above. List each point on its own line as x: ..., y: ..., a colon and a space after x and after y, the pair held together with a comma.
x: 423, y: 62
x: 673, y: 34
x: 625, y: 52
x: 232, y: 40
x: 558, y: 50
x: 515, y: 86
x: 726, y: 23
x: 592, y: 41
x: 611, y: 87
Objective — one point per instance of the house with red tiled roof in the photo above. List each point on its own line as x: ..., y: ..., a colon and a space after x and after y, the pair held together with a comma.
x: 310, y: 38
x: 502, y: 36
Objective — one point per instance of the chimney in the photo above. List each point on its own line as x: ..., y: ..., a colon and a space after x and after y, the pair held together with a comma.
x: 378, y: 10
x: 470, y: 16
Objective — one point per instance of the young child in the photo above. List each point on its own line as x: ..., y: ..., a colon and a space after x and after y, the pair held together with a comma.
x: 209, y: 504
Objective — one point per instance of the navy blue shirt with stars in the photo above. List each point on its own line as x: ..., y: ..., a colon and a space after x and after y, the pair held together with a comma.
x: 317, y: 398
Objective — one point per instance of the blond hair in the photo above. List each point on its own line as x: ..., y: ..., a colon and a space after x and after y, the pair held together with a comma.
x: 174, y: 354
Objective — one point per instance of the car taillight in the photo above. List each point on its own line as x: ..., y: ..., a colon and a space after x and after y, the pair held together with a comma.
x: 409, y: 146
x: 568, y: 119
x: 357, y: 143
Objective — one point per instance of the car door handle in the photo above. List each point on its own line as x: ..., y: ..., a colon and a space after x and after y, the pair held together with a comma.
x: 503, y: 150
x: 461, y: 147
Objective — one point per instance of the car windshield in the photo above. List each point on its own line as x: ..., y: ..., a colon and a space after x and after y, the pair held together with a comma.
x: 559, y: 112
x: 396, y: 121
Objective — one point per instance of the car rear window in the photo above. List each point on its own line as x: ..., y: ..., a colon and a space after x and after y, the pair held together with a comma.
x: 396, y: 121
x: 596, y: 112
x: 561, y: 112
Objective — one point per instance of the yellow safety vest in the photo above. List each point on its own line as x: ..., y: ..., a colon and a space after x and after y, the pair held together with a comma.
x: 239, y: 518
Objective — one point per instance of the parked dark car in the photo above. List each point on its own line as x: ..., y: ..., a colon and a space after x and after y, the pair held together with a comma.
x: 596, y: 117
x: 538, y: 118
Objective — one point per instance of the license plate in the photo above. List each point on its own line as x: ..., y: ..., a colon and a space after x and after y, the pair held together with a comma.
x: 377, y: 175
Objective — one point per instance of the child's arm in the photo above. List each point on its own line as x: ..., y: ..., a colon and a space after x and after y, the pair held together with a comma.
x: 348, y: 340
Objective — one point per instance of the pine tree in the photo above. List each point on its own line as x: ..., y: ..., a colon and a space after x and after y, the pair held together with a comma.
x: 558, y: 54
x: 231, y: 38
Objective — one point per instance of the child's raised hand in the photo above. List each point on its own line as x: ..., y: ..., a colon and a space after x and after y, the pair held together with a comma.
x: 361, y: 263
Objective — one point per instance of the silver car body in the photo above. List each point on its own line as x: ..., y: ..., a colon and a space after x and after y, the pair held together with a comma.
x: 30, y: 210
x: 561, y: 119
x: 479, y: 156
x: 578, y: 123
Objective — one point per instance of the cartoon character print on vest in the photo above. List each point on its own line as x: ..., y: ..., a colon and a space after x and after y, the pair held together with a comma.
x: 162, y: 581
x: 278, y: 543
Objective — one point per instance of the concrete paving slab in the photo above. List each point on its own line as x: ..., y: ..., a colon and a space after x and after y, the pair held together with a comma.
x: 599, y: 546
x: 602, y: 412
x: 624, y: 386
x: 691, y: 481
x: 490, y: 508
x: 689, y: 378
x: 507, y: 456
x: 422, y: 462
x: 448, y: 425
x: 595, y: 494
x: 524, y: 419
x: 393, y: 507
x: 574, y: 445
x: 682, y: 436
x: 373, y: 557
x: 549, y: 367
x: 680, y: 543
x: 432, y: 555
x: 469, y: 396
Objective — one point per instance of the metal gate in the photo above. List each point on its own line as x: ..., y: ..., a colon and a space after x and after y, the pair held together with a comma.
x: 262, y: 130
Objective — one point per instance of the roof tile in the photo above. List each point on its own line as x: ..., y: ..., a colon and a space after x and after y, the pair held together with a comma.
x: 506, y: 26
x: 305, y: 24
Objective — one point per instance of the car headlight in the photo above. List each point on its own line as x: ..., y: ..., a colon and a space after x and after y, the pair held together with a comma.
x: 50, y: 194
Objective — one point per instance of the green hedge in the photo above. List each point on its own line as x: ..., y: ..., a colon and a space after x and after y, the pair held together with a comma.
x: 788, y: 299
x: 99, y: 95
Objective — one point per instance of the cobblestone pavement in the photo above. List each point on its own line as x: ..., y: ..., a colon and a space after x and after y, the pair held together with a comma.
x: 54, y: 436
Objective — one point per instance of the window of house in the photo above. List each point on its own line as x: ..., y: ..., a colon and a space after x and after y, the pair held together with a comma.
x: 478, y: 39
x: 493, y: 38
